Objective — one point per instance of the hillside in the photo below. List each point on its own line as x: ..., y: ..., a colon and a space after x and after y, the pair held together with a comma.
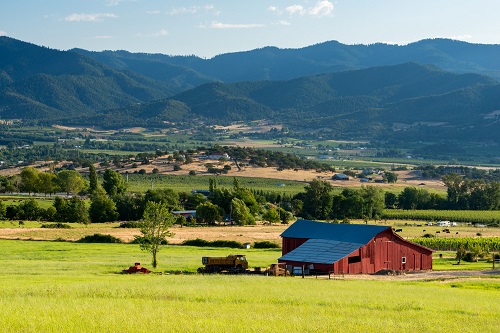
x: 41, y: 83
x: 364, y: 103
x: 272, y: 63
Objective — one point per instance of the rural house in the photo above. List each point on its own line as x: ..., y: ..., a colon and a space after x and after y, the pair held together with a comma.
x: 350, y: 248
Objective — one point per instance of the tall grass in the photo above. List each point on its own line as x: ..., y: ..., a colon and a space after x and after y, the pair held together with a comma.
x: 67, y: 287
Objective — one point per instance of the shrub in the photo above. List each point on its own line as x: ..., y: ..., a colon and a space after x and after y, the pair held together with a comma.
x: 265, y: 245
x: 469, y: 257
x: 428, y: 236
x: 57, y: 225
x: 217, y: 243
x: 130, y: 224
x: 192, y: 173
x: 143, y: 240
x: 99, y: 238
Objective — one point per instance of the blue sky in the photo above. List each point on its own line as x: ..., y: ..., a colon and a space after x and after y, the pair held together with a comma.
x: 208, y: 28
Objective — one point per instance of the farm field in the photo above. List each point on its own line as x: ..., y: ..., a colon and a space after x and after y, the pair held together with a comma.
x: 243, y: 234
x: 68, y: 287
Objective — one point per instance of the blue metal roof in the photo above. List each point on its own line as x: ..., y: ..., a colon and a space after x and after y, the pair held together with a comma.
x: 349, y: 233
x: 321, y: 251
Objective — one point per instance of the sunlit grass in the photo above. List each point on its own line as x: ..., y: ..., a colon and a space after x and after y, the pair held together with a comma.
x: 68, y: 287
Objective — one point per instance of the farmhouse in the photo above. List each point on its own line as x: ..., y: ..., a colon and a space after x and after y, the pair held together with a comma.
x: 350, y: 248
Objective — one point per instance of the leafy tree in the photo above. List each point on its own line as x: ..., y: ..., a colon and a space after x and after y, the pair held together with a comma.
x: 29, y: 210
x: 156, y: 220
x: 130, y: 207
x: 166, y: 196
x: 70, y: 210
x: 102, y: 208
x: 209, y: 212
x: 93, y: 183
x: 113, y: 182
x: 457, y: 189
x: 374, y: 201
x: 390, y: 199
x: 193, y: 200
x: 29, y: 179
x: 285, y: 216
x: 69, y: 181
x: 241, y: 213
x: 317, y: 200
x: 47, y: 183
x: 297, y: 205
x: 271, y: 216
x: 390, y: 177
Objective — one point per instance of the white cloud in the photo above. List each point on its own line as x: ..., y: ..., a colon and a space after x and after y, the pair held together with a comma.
x: 3, y: 33
x: 89, y: 17
x: 220, y: 25
x: 282, y: 22
x: 160, y: 33
x: 153, y: 12
x: 322, y: 8
x: 103, y: 37
x: 295, y: 9
x: 110, y: 3
x: 194, y: 10
x: 274, y: 9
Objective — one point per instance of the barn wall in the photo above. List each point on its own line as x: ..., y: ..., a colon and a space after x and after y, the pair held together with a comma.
x: 384, y: 251
x: 290, y: 244
x: 389, y: 250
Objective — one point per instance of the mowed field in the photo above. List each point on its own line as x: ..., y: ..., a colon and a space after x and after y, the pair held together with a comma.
x: 73, y: 287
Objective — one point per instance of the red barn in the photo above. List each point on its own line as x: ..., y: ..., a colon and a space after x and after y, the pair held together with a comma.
x: 351, y: 248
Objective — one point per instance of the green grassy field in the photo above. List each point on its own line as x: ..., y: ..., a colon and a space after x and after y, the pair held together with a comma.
x: 68, y: 287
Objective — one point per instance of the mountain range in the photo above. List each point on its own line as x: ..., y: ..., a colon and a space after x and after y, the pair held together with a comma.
x: 433, y: 88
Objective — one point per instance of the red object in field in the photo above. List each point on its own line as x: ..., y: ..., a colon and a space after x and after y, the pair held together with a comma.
x: 137, y: 268
x: 350, y: 249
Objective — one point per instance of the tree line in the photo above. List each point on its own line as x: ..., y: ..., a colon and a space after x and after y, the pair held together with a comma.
x: 110, y: 200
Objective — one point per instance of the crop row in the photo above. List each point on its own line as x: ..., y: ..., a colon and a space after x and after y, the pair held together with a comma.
x: 487, y: 244
x: 472, y: 216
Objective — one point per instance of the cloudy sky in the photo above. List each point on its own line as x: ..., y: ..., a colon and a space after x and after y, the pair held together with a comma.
x: 208, y: 28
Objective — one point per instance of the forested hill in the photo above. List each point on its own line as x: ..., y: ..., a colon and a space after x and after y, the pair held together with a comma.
x: 423, y: 100
x: 121, y: 89
x: 41, y: 83
x: 272, y: 63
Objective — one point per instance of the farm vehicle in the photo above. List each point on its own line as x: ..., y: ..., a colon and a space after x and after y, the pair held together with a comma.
x: 232, y: 264
x: 278, y: 269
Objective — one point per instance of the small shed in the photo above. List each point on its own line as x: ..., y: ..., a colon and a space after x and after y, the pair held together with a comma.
x: 340, y: 176
x: 351, y: 248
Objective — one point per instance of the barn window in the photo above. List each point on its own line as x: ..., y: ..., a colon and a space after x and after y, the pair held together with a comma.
x: 403, y: 260
x: 352, y: 260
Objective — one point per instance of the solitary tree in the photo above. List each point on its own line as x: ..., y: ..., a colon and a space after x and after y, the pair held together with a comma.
x: 155, y: 223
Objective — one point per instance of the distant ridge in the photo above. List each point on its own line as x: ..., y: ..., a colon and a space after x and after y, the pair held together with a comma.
x: 431, y: 89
